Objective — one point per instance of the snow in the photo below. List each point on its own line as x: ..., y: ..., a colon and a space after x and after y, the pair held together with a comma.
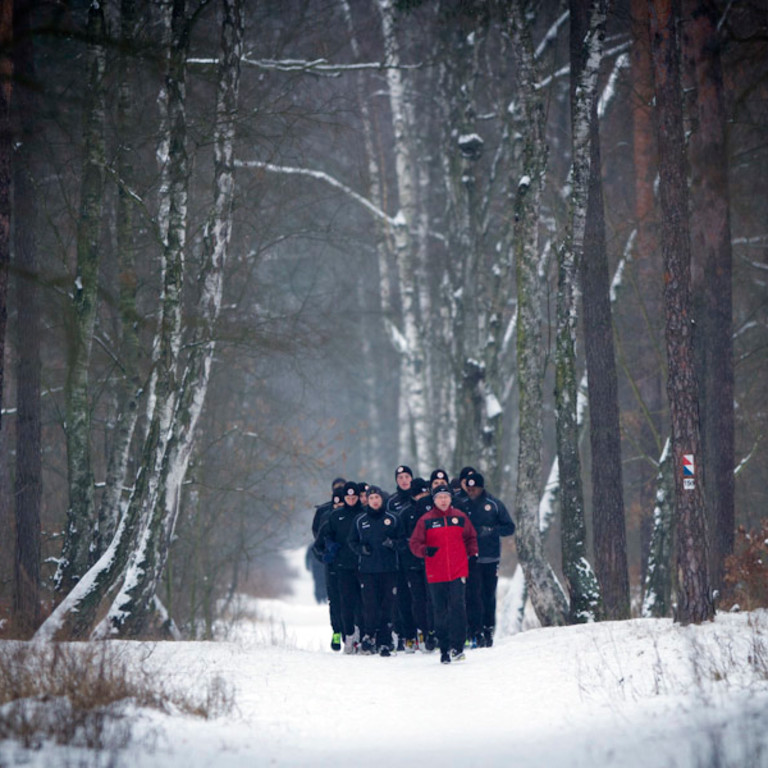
x: 638, y: 693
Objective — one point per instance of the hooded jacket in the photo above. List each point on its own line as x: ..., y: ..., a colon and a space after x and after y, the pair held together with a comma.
x: 455, y: 538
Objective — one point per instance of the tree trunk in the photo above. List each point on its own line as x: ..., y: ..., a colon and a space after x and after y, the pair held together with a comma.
x: 609, y: 527
x: 646, y: 264
x: 134, y: 606
x: 415, y: 438
x: 29, y: 481
x: 129, y: 388
x: 587, y: 32
x: 657, y: 598
x: 547, y: 596
x: 81, y: 523
x: 694, y: 599
x: 6, y: 79
x: 712, y: 277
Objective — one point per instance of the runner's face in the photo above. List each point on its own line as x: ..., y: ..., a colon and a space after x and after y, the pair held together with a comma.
x: 443, y: 501
x: 375, y: 501
x: 351, y: 499
x: 404, y: 481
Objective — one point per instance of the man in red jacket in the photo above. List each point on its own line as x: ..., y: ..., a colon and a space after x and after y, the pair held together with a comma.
x: 446, y: 539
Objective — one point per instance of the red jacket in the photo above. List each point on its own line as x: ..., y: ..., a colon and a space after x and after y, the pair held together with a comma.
x: 454, y: 536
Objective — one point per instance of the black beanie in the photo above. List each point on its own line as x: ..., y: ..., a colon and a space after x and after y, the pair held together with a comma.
x: 350, y: 489
x: 338, y: 483
x: 439, y: 474
x: 403, y: 468
x: 476, y: 481
x: 375, y: 490
x: 466, y: 472
x: 419, y: 486
x: 441, y: 489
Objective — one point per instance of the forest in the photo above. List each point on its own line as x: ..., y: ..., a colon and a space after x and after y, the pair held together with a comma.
x: 246, y: 247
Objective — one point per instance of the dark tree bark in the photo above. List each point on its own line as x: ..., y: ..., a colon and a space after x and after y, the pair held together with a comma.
x: 81, y: 517
x: 6, y: 73
x: 547, y: 597
x: 646, y: 264
x: 29, y: 481
x: 712, y: 275
x: 609, y: 527
x: 694, y: 600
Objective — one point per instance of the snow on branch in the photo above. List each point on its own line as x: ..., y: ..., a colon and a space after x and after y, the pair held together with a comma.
x: 320, y: 176
x: 315, y: 66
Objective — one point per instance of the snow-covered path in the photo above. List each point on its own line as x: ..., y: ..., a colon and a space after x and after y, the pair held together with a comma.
x: 637, y: 693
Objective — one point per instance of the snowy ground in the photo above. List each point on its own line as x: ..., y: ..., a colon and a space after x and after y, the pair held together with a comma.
x: 642, y: 693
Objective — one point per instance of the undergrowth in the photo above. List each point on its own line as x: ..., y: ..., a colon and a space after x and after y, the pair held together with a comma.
x: 85, y: 694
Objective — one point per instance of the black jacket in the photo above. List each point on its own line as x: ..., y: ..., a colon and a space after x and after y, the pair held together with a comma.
x: 408, y: 519
x: 376, y: 537
x: 491, y: 520
x: 335, y: 533
x: 398, y: 502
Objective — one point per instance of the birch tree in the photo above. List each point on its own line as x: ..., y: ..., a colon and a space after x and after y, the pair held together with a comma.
x: 134, y: 561
x: 694, y: 599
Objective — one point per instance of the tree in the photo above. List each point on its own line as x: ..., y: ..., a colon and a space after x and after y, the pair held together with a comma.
x: 712, y: 275
x: 547, y: 596
x: 81, y: 514
x: 28, y: 487
x: 609, y: 534
x: 694, y: 600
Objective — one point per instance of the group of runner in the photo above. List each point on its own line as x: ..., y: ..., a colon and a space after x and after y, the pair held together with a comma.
x: 419, y: 564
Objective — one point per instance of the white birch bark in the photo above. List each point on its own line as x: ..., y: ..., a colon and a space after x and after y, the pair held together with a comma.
x: 414, y: 439
x: 131, y: 609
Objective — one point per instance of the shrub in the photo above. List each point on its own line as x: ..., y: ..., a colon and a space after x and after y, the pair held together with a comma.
x: 82, y: 693
x: 746, y: 570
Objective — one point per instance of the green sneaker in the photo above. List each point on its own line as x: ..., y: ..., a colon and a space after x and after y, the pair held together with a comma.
x: 336, y: 641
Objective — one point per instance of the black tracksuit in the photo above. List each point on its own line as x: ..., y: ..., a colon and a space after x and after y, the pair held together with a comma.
x: 331, y: 573
x: 377, y: 538
x: 491, y: 520
x: 399, y: 503
x: 336, y: 536
x: 413, y: 567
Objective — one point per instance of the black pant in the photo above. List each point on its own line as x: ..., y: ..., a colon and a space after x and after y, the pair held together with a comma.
x: 481, y: 596
x: 378, y: 592
x: 422, y: 609
x: 448, y: 601
x: 349, y: 592
x: 334, y: 597
x: 405, y: 625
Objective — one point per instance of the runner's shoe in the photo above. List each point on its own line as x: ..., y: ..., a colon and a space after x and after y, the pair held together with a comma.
x: 445, y: 657
x: 457, y: 655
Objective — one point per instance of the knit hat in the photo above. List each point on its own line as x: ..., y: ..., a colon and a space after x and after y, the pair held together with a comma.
x: 419, y: 486
x: 338, y: 482
x: 350, y: 489
x: 403, y: 468
x: 441, y: 489
x: 466, y: 472
x: 374, y: 490
x: 439, y: 474
x: 476, y: 481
